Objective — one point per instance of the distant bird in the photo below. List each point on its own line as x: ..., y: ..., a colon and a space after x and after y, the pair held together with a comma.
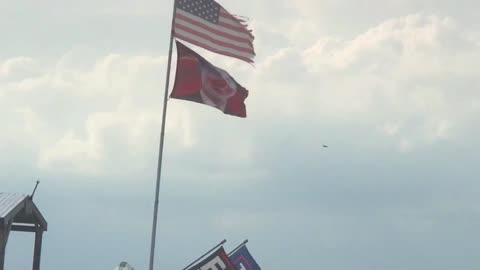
x: 325, y: 146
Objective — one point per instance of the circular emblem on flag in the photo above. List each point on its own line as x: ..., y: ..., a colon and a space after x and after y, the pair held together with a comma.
x: 217, y: 88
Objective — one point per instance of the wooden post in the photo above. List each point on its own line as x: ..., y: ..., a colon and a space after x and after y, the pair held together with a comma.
x: 38, y: 248
x: 4, y: 231
x: 3, y: 244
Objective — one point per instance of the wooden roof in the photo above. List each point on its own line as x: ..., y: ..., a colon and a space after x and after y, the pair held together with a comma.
x: 17, y: 208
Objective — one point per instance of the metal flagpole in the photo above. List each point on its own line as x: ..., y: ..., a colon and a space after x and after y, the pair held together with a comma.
x: 239, y: 246
x: 160, y: 150
x: 206, y: 253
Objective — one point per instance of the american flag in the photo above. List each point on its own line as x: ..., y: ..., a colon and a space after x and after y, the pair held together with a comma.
x: 208, y: 25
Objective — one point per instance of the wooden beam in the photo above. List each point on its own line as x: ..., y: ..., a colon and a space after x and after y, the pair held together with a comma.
x: 23, y: 228
x: 37, y: 253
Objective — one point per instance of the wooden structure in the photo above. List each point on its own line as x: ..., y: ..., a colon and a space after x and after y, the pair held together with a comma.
x: 19, y: 213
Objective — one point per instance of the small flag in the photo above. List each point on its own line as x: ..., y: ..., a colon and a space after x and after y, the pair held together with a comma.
x: 243, y: 260
x: 208, y: 25
x: 199, y: 81
x: 217, y: 261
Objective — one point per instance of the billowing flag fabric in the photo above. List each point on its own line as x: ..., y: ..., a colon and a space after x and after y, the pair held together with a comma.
x: 199, y: 81
x: 208, y: 25
x: 243, y: 260
x: 217, y: 261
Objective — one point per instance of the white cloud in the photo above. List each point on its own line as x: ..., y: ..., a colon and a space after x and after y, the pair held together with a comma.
x: 78, y: 117
x: 415, y: 71
x: 407, y: 76
x: 17, y: 66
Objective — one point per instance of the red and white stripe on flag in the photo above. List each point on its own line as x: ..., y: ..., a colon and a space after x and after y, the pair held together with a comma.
x: 208, y: 25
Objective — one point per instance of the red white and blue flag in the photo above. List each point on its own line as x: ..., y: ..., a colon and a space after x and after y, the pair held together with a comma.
x: 243, y: 260
x: 207, y: 24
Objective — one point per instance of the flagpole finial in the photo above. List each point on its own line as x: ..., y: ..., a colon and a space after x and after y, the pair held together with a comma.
x: 238, y: 247
x: 206, y: 253
x: 34, y: 189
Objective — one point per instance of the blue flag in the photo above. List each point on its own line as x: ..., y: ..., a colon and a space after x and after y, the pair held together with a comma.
x: 243, y: 260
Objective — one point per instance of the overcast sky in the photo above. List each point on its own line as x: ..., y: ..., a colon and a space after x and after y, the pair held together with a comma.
x: 391, y: 86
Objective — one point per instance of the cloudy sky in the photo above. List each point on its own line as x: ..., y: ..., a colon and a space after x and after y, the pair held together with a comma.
x: 391, y: 86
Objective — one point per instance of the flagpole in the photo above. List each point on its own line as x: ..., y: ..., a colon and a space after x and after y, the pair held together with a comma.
x: 205, y: 254
x: 160, y: 150
x: 239, y: 246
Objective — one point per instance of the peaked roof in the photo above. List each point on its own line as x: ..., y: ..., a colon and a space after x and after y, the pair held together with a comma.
x: 19, y: 208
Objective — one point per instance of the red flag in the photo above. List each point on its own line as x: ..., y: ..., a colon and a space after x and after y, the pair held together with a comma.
x: 207, y: 24
x: 218, y: 260
x: 199, y: 81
